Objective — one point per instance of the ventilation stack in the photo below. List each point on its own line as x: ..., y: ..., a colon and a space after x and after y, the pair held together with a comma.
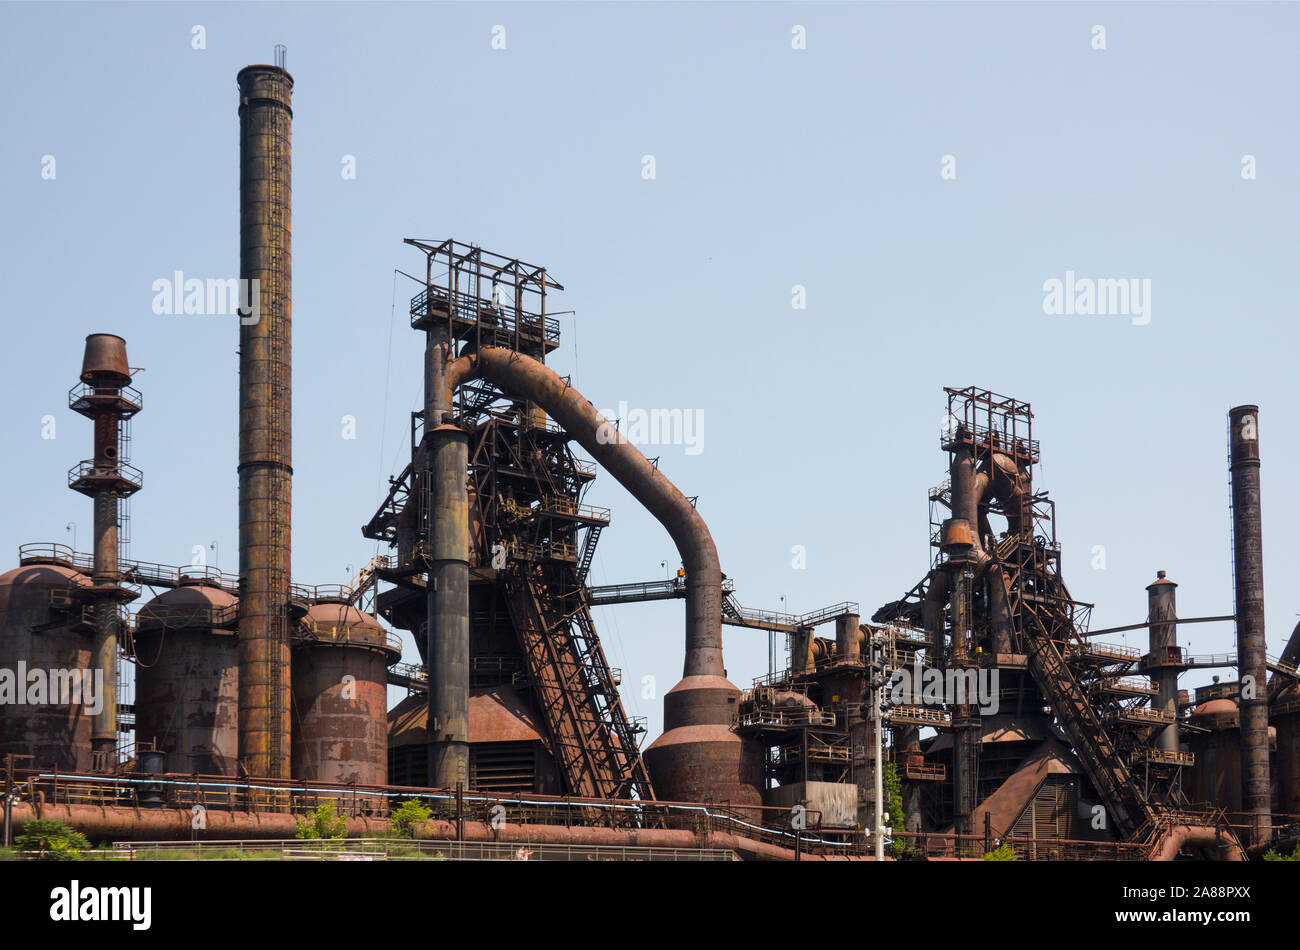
x: 106, y: 398
x: 265, y: 442
x: 1164, y: 659
x: 1248, y: 566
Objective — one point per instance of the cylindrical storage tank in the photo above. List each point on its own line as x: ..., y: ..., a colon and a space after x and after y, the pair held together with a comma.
x: 41, y: 628
x: 848, y: 638
x: 1286, y: 717
x: 187, y: 678
x: 698, y: 759
x: 1216, y: 776
x: 340, y: 696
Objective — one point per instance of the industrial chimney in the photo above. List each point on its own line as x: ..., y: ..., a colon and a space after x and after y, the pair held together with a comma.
x: 1164, y: 659
x: 265, y: 440
x: 1248, y: 566
x: 105, y: 397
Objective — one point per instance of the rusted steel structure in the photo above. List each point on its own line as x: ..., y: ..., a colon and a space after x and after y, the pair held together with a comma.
x: 45, y: 624
x: 187, y: 677
x: 1214, y: 740
x: 258, y: 697
x: 106, y: 397
x: 265, y: 405
x: 1285, y: 714
x: 491, y: 508
x: 994, y: 604
x: 341, y: 657
x: 1248, y: 575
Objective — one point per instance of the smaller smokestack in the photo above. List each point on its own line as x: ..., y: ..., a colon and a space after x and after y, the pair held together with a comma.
x: 848, y: 637
x: 1164, y: 656
x: 106, y: 398
x: 1248, y: 566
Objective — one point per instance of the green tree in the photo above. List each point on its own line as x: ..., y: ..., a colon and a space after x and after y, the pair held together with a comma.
x: 405, y: 816
x: 324, y: 822
x: 1003, y: 852
x: 894, y: 807
x: 51, y: 840
x: 1272, y: 855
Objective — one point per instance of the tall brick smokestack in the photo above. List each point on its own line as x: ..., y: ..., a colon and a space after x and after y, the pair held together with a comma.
x: 265, y: 430
x: 1248, y: 565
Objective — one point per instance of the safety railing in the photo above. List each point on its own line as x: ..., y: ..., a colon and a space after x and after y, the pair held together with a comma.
x: 84, y: 395
x: 1161, y: 757
x: 1103, y: 651
x: 557, y: 504
x: 782, y: 718
x: 179, y: 618
x: 1140, y: 716
x: 1126, y: 684
x: 400, y: 849
x: 816, y: 617
x: 472, y: 309
x: 920, y: 715
x: 361, y: 633
x: 1211, y: 660
x: 124, y: 473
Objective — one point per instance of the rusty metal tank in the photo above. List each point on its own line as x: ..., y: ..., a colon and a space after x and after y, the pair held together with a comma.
x: 1216, y: 776
x: 1285, y: 714
x: 42, y: 628
x: 187, y: 677
x: 340, y: 695
x: 697, y: 759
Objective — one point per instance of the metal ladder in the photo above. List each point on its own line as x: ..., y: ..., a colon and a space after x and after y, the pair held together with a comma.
x: 588, y: 551
x: 590, y: 734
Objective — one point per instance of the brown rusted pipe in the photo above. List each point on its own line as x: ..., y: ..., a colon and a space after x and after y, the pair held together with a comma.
x: 1204, y: 836
x: 528, y: 379
x: 116, y: 823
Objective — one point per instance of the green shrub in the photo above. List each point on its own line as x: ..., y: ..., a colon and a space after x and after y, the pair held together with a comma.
x: 1272, y: 855
x: 405, y: 816
x: 51, y: 840
x: 1003, y: 852
x: 324, y: 822
x: 894, y: 807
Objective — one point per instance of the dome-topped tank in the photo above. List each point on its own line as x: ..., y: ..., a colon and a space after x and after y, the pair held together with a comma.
x: 1285, y: 714
x: 1216, y: 776
x: 41, y: 629
x: 187, y: 678
x: 340, y: 695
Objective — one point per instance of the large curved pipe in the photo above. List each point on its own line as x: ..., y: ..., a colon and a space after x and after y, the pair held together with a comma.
x: 1202, y: 836
x: 526, y: 378
x: 972, y: 488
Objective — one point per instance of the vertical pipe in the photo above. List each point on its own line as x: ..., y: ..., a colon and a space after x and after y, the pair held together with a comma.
x: 1162, y: 647
x: 1248, y: 564
x: 104, y: 374
x: 447, y: 644
x: 265, y: 444
x: 878, y: 773
x: 847, y: 632
x: 103, y: 651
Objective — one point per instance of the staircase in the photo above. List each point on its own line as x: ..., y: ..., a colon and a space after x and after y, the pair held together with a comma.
x: 1043, y: 624
x: 592, y: 740
x: 588, y: 551
x: 1101, y: 760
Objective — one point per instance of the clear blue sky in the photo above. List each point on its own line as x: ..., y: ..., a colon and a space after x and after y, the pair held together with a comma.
x: 775, y: 167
